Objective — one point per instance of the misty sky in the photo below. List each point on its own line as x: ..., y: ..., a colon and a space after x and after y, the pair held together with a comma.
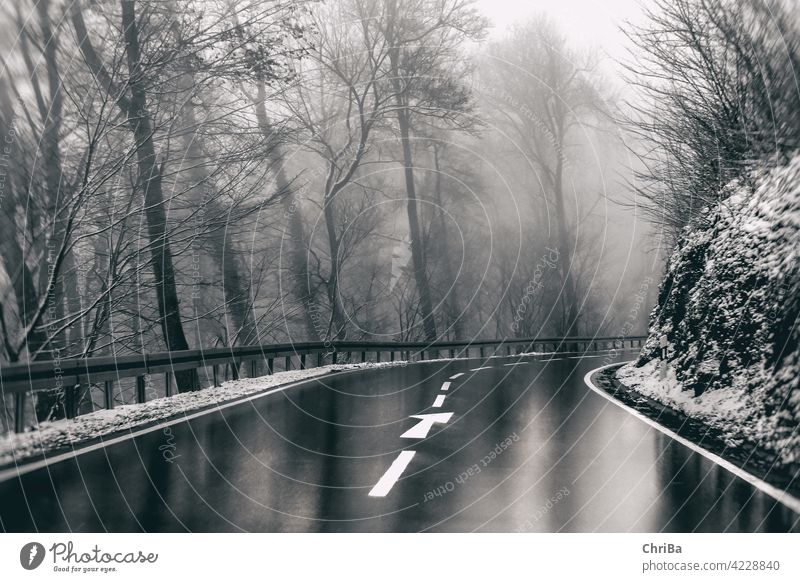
x: 588, y: 23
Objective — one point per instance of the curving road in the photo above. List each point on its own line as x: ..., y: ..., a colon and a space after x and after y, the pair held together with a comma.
x: 505, y: 444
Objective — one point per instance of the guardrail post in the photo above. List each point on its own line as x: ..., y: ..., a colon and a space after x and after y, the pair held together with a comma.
x: 19, y: 412
x: 254, y: 368
x: 215, y: 375
x: 302, y: 361
x: 482, y: 352
x: 140, y: 389
x: 334, y: 357
x: 319, y: 359
x: 452, y: 353
x: 270, y: 365
x: 168, y: 383
x: 378, y: 356
x: 108, y: 394
x: 70, y: 401
x: 391, y: 356
x: 288, y: 364
x: 363, y: 357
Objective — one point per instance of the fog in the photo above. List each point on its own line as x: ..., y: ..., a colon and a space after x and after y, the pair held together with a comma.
x: 232, y: 172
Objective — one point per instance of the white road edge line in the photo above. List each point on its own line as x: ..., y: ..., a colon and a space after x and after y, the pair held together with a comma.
x: 439, y: 401
x: 783, y: 497
x: 456, y: 376
x: 392, y: 474
x: 445, y: 386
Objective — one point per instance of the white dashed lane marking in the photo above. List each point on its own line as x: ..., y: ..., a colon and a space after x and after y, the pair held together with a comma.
x: 418, y: 431
x: 481, y: 368
x: 392, y: 474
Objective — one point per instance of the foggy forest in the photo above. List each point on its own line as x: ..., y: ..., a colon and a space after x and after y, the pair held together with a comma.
x: 181, y: 174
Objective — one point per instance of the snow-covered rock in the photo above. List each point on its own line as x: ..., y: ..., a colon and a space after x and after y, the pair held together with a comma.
x: 729, y: 305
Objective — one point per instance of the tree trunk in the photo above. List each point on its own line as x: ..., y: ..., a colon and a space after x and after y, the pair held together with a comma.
x: 417, y: 251
x: 14, y: 263
x: 299, y: 267
x: 66, y: 292
x: 141, y: 125
x: 337, y: 310
x: 223, y: 253
x: 569, y: 298
x: 452, y: 301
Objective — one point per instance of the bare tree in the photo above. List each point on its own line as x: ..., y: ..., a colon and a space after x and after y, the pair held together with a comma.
x: 422, y: 36
x: 545, y: 94
x: 718, y: 92
x: 339, y: 100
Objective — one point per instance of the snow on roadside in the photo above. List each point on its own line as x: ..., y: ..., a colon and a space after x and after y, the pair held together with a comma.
x: 65, y: 433
x: 729, y: 305
x: 730, y: 410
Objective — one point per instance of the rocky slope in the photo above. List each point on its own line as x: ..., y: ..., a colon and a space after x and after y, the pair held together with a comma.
x: 729, y: 306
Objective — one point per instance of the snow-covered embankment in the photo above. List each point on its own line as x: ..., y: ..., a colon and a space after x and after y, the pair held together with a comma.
x: 729, y: 306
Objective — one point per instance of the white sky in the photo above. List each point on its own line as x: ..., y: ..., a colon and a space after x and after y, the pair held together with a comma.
x: 587, y: 23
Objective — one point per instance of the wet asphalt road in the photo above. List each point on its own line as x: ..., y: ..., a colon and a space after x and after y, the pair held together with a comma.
x: 529, y: 447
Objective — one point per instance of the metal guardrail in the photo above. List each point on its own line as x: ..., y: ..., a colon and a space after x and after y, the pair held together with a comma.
x: 25, y: 379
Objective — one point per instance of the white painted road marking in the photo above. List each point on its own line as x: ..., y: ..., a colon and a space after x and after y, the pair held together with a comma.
x: 482, y: 368
x: 787, y: 499
x: 439, y: 401
x: 516, y: 364
x: 426, y: 422
x: 392, y: 474
x: 456, y: 376
x: 446, y: 386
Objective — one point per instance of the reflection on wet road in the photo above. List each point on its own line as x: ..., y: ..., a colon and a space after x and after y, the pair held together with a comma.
x: 528, y: 447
